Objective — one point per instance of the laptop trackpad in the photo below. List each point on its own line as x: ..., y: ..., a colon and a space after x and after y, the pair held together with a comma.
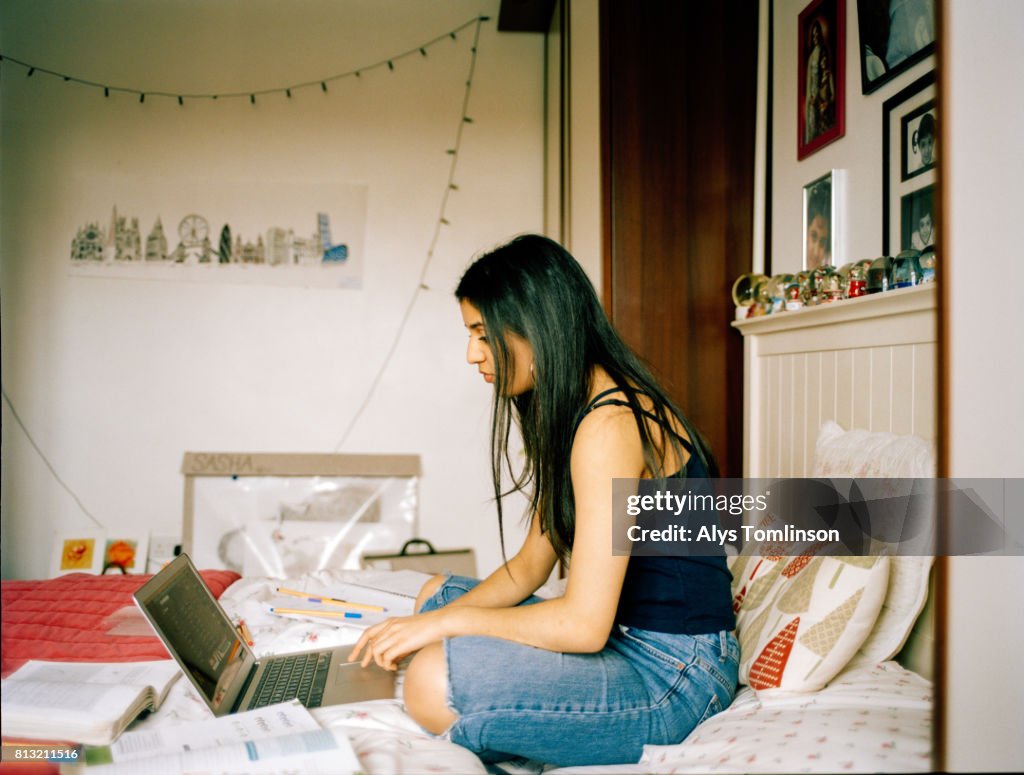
x: 353, y: 683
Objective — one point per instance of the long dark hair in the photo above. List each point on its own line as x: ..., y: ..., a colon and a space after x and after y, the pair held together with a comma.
x: 534, y: 288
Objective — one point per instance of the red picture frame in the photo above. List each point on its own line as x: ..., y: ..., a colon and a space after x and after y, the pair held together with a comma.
x: 821, y: 75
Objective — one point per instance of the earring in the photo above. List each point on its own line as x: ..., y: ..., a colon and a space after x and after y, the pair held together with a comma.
x: 531, y: 369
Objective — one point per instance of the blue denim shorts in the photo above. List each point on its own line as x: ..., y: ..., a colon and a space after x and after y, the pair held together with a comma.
x: 643, y: 688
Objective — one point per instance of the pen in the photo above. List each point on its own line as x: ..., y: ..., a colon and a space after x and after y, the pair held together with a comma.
x: 311, y: 598
x: 307, y: 612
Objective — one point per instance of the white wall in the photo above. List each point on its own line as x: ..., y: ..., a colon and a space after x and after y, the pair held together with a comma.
x: 584, y: 164
x: 115, y: 379
x: 573, y: 152
x: 858, y: 152
x: 984, y: 167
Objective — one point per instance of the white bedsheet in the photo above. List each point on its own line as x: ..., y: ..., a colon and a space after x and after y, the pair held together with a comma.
x: 873, y: 718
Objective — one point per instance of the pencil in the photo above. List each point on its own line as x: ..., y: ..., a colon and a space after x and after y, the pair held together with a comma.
x: 243, y: 630
x: 311, y: 598
x: 308, y: 612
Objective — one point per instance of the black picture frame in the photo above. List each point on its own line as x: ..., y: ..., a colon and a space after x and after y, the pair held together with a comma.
x: 906, y: 35
x: 917, y: 219
x: 897, y: 113
x: 919, y: 150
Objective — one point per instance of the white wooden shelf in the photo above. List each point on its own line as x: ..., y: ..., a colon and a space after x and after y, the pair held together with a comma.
x: 878, y: 305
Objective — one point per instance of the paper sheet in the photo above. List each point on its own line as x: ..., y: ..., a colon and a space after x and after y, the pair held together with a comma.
x: 284, y: 718
x: 313, y: 752
x: 394, y: 591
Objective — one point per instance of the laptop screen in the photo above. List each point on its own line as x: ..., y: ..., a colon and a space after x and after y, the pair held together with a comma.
x: 196, y: 631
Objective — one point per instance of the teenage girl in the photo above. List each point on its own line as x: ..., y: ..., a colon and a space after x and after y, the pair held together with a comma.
x: 638, y: 650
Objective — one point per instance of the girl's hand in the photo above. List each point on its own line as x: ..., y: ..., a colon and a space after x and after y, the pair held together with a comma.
x: 388, y: 642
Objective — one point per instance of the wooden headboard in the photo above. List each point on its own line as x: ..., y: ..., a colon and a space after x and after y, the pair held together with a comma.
x: 867, y: 363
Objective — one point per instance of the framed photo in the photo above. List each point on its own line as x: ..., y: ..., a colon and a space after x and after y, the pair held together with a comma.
x: 821, y: 73
x: 80, y: 552
x: 917, y: 219
x: 918, y: 149
x: 127, y: 552
x: 893, y: 38
x: 910, y: 154
x: 820, y: 221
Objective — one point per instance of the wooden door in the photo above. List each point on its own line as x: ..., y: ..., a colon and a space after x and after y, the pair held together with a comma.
x: 679, y: 82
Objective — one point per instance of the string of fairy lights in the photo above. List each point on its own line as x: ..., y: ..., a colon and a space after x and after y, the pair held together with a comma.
x: 442, y: 221
x: 250, y: 94
x: 322, y: 84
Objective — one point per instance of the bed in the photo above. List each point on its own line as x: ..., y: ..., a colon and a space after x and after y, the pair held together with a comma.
x: 835, y: 652
x: 874, y: 716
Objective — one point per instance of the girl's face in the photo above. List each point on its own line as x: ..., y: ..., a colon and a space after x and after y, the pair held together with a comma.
x: 479, y: 353
x: 924, y: 228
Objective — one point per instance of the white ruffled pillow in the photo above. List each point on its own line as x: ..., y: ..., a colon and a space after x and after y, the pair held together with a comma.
x: 877, y: 455
x: 859, y: 454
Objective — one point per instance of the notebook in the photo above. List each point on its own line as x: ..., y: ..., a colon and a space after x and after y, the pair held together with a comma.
x: 228, y: 676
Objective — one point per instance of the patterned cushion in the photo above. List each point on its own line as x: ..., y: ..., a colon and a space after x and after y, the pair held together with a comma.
x: 800, y: 619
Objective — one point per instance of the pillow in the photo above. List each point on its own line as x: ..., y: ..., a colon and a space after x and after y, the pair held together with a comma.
x: 800, y: 619
x: 861, y: 454
x: 876, y: 718
x: 857, y: 453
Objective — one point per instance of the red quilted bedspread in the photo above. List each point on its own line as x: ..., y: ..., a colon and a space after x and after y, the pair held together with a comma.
x: 66, y: 619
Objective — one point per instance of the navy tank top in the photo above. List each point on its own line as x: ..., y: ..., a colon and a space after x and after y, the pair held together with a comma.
x: 679, y: 595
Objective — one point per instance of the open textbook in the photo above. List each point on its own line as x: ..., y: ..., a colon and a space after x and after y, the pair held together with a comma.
x: 277, y: 739
x: 82, y: 702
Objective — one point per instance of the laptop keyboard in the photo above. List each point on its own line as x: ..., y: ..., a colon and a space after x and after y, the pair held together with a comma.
x: 302, y: 676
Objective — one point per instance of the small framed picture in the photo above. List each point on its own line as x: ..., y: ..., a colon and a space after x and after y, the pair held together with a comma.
x: 821, y: 75
x: 893, y: 38
x: 80, y: 552
x: 821, y: 221
x: 910, y: 155
x: 127, y: 553
x: 917, y: 219
x: 918, y: 148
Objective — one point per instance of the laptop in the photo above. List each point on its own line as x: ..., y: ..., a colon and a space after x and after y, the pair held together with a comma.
x: 228, y: 676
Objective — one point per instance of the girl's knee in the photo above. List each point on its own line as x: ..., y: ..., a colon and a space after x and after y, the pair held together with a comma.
x: 425, y: 691
x: 429, y: 588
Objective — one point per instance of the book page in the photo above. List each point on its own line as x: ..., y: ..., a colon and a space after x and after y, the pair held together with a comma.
x: 55, y: 701
x: 285, y: 718
x: 87, y: 702
x: 324, y: 751
x: 393, y: 591
x: 158, y: 674
x: 407, y: 583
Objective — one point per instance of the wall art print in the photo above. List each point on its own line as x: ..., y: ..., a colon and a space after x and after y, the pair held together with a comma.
x: 225, y: 239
